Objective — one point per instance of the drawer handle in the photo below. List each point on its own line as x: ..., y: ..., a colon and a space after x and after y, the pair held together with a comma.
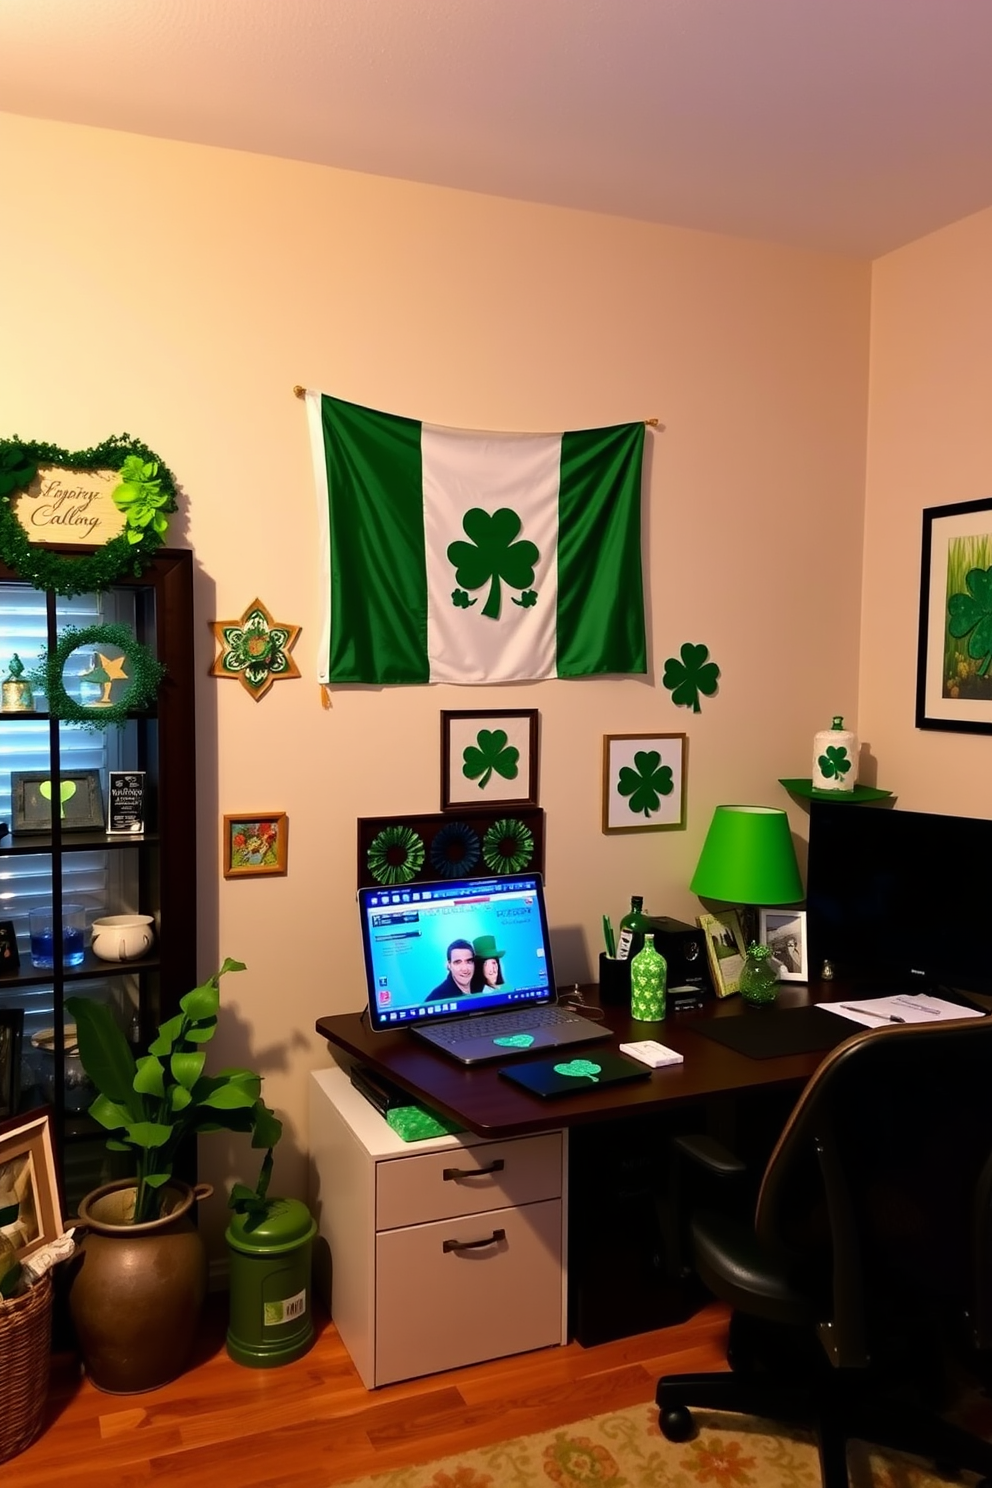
x: 450, y: 1245
x: 496, y: 1166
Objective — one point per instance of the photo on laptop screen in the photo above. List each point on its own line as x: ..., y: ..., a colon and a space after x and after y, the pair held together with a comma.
x: 459, y: 946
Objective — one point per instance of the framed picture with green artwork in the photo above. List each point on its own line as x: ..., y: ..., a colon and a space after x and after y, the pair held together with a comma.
x: 644, y: 782
x: 488, y: 758
x: 255, y: 845
x: 954, y: 663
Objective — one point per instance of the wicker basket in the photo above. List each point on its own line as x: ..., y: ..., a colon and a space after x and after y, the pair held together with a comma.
x: 25, y: 1356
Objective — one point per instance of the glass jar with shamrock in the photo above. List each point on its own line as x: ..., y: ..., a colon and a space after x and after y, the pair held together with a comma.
x: 648, y: 983
x: 758, y: 980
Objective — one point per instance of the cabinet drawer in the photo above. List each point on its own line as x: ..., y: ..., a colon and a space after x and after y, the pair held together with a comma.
x: 439, y: 1307
x: 467, y: 1180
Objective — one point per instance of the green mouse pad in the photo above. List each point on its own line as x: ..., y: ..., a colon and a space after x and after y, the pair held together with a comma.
x: 571, y: 1073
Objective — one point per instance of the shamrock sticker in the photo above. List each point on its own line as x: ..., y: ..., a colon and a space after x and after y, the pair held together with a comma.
x: 67, y: 789
x: 973, y: 612
x: 835, y: 762
x: 646, y: 783
x: 492, y: 556
x: 515, y: 1041
x: 490, y: 752
x: 580, y: 1069
x: 693, y: 675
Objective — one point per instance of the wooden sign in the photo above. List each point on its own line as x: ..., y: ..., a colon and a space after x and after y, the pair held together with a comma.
x: 70, y: 506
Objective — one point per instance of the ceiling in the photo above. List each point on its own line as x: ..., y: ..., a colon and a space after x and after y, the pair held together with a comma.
x: 851, y: 126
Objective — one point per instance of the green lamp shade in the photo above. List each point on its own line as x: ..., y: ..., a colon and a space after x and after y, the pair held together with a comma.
x: 748, y: 858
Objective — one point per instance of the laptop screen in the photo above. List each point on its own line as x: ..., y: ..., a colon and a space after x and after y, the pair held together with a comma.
x: 459, y: 946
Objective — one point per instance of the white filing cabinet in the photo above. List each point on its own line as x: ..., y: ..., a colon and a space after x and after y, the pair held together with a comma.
x: 441, y: 1253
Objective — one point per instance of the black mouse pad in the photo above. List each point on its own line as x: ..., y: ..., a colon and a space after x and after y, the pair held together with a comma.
x: 768, y: 1033
x: 572, y: 1072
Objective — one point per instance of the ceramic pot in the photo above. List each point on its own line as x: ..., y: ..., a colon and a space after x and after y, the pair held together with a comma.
x: 137, y: 1290
x: 122, y: 937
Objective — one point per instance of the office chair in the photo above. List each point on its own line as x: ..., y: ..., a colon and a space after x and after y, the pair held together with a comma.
x: 867, y: 1263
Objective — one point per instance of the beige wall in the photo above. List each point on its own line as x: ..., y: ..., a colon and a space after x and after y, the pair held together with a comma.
x: 930, y: 444
x: 178, y: 293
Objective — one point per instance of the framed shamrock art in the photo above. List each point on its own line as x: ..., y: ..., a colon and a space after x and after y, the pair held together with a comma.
x: 954, y: 662
x: 644, y: 782
x: 488, y: 758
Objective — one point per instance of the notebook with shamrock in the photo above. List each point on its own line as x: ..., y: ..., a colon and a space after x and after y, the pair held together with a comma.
x: 572, y: 1073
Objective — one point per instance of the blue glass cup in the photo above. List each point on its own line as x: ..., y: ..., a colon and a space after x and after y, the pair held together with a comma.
x: 46, y: 934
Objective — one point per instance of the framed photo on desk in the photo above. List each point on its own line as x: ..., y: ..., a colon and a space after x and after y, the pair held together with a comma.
x: 784, y: 932
x: 724, y: 950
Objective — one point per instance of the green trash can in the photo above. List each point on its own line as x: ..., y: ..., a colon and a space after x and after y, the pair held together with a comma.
x: 270, y: 1321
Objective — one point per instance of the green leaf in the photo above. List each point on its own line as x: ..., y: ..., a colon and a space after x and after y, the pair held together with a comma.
x: 490, y: 752
x: 155, y: 1180
x: 493, y: 555
x: 104, y: 1051
x: 202, y: 1003
x: 201, y: 1033
x: 228, y: 1097
x: 150, y: 1079
x: 167, y: 1035
x: 179, y: 1098
x: 148, y: 1133
x: 187, y: 1068
x: 113, y: 1145
x: 268, y: 1127
x: 109, y: 1114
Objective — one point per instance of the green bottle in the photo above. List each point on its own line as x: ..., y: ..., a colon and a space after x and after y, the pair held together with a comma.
x: 632, y: 928
x: 648, y: 983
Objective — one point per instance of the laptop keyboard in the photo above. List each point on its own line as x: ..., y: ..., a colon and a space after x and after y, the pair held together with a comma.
x: 500, y: 1023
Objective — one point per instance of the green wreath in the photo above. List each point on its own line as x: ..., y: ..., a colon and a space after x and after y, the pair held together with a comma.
x: 146, y: 494
x: 143, y: 672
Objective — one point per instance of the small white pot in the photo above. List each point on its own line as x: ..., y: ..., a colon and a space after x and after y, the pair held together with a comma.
x: 122, y: 937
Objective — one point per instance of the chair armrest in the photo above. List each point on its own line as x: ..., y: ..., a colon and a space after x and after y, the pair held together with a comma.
x: 706, y: 1152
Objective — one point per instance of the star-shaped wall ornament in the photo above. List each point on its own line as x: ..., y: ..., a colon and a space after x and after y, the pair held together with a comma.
x: 255, y: 649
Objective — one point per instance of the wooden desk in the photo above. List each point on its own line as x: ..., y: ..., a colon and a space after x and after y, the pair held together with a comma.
x: 481, y: 1100
x: 617, y: 1140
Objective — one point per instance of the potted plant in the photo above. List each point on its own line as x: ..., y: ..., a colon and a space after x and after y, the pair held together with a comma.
x: 138, y: 1286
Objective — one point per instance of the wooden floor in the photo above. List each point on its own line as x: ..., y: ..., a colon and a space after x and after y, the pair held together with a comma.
x: 312, y: 1423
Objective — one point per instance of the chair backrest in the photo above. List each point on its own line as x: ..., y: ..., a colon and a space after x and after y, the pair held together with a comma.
x: 877, y: 1194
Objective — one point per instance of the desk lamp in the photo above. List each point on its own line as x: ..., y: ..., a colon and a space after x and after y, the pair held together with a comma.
x: 748, y: 859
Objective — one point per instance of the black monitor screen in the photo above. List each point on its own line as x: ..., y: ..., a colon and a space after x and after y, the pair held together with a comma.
x: 900, y: 898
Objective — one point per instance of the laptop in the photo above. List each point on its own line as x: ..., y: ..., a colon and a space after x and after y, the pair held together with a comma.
x: 466, y: 965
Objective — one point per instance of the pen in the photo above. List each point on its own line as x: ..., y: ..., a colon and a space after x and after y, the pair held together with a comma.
x: 611, y: 945
x: 867, y: 1013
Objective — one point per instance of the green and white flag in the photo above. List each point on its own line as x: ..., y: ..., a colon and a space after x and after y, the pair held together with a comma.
x: 454, y: 556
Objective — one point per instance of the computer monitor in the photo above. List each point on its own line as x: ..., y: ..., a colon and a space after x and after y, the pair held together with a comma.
x: 900, y: 899
x: 427, y: 948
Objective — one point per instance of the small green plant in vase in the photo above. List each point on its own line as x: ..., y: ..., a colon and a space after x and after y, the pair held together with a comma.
x: 151, y: 1104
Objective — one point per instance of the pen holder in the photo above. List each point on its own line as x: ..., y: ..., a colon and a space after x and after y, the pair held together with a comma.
x: 614, y: 981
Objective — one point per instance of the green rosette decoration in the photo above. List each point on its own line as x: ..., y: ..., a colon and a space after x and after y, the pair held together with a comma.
x: 508, y: 846
x: 146, y: 495
x: 395, y: 855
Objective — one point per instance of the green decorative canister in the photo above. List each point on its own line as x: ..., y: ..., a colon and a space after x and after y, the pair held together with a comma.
x: 758, y: 981
x: 648, y: 981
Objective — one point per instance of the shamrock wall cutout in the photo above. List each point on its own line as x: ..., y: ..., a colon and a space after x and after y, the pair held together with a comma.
x: 490, y: 752
x: 690, y: 676
x: 647, y: 782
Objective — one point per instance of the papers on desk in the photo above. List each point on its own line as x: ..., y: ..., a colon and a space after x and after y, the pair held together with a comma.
x: 907, y: 1007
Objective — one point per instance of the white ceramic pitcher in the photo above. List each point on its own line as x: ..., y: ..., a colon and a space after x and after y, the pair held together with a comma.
x: 122, y: 937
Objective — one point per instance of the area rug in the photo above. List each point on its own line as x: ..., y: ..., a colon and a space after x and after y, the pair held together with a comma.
x: 625, y: 1449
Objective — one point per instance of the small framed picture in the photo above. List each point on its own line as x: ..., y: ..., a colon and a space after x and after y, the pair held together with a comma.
x: 724, y: 949
x: 125, y: 803
x: 644, y: 780
x: 76, y: 795
x: 953, y: 673
x: 10, y: 958
x: 29, y: 1195
x: 255, y: 845
x: 783, y: 931
x: 488, y: 759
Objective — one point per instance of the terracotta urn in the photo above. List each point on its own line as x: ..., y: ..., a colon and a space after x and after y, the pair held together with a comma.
x: 137, y: 1290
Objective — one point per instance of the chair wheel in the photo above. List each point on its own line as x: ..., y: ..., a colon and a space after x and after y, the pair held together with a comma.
x: 676, y: 1423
